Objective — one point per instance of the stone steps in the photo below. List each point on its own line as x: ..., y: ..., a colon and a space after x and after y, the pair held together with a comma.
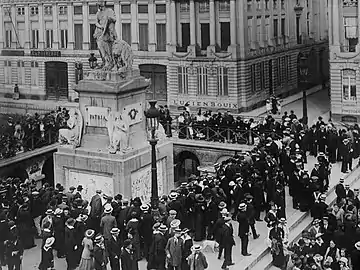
x: 263, y: 260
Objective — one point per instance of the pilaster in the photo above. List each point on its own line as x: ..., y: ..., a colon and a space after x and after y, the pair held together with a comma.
x: 2, y: 32
x: 86, y: 30
x: 118, y: 18
x: 27, y: 27
x: 152, y: 25
x: 168, y: 27
x: 134, y: 26
x: 14, y: 40
x: 173, y: 23
x: 41, y: 27
x: 55, y: 26
x: 71, y: 41
x: 335, y: 22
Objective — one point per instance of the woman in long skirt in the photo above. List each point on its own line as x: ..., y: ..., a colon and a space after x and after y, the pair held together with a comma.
x: 277, y: 253
x: 87, y: 262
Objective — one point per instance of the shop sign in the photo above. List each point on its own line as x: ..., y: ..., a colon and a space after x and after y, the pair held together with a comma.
x: 208, y: 104
x: 12, y: 53
x: 45, y: 53
x: 96, y: 116
x: 351, y: 108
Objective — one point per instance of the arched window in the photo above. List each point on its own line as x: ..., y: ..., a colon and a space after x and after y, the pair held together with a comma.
x: 349, y: 84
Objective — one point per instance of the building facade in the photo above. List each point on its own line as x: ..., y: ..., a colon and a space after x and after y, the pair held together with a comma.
x: 214, y: 54
x: 344, y: 59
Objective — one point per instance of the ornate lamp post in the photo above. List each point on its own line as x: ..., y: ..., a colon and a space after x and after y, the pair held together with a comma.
x: 92, y: 61
x: 304, y: 72
x: 152, y: 122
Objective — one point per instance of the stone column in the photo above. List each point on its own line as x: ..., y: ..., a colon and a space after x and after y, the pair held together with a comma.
x: 86, y: 28
x: 233, y: 48
x: 41, y: 27
x: 152, y: 26
x: 2, y: 32
x: 134, y: 26
x: 168, y: 26
x: 193, y: 44
x: 173, y: 23
x: 233, y: 22
x: 27, y: 43
x: 56, y: 31
x: 71, y: 35
x: 14, y: 41
x: 212, y: 47
x: 118, y: 18
x: 335, y: 22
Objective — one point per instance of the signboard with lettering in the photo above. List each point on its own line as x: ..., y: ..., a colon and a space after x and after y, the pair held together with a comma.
x: 206, y: 104
x: 96, y: 116
x: 12, y: 53
x: 134, y: 113
x: 350, y: 108
x: 45, y: 53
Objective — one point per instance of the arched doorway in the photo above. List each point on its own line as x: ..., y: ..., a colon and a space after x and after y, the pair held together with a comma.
x: 56, y: 78
x: 186, y: 164
x: 158, y: 88
x: 48, y: 171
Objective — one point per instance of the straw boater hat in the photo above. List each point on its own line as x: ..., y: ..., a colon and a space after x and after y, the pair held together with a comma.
x: 98, y: 238
x: 173, y: 196
x: 242, y: 206
x: 227, y: 218
x: 172, y: 212
x: 49, y: 212
x: 144, y: 207
x: 196, y: 247
x: 222, y: 205
x: 58, y: 211
x: 224, y: 211
x: 89, y: 233
x: 115, y: 230
x: 156, y: 226
x: 163, y: 228
x: 175, y: 223
x: 49, y: 242
x: 108, y: 209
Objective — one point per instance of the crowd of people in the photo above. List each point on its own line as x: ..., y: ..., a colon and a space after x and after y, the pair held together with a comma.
x: 247, y: 188
x: 27, y: 132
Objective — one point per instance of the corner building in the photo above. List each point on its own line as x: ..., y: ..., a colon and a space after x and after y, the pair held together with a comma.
x: 215, y: 54
x: 344, y: 60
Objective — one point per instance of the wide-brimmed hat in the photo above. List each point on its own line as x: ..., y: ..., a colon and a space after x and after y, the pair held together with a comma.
x: 172, y: 212
x: 163, y: 228
x: 49, y: 241
x: 224, y: 211
x: 144, y: 207
x: 89, y: 233
x: 222, y: 205
x: 318, y: 235
x: 227, y: 218
x: 316, y: 221
x: 79, y: 188
x: 178, y: 230
x: 108, y: 209
x: 98, y: 238
x: 49, y: 212
x: 175, y: 223
x: 115, y: 230
x: 156, y: 226
x: 318, y: 257
x: 173, y: 195
x: 344, y: 260
x: 196, y: 247
x: 186, y: 230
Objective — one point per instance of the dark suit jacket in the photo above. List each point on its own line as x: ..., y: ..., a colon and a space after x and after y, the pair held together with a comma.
x: 114, y: 247
x: 96, y: 206
x: 127, y: 261
x: 227, y: 238
x: 243, y: 224
x: 99, y: 258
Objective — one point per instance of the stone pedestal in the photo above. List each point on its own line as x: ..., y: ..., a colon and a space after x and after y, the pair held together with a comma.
x: 91, y: 165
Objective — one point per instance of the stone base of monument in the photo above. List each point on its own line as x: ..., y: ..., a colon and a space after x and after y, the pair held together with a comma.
x: 125, y: 173
x: 106, y: 97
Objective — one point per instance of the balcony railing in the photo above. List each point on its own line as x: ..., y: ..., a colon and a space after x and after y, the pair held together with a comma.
x: 348, y: 49
x: 223, y: 134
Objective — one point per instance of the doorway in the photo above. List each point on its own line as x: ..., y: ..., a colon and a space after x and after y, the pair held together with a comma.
x: 158, y: 89
x: 56, y: 76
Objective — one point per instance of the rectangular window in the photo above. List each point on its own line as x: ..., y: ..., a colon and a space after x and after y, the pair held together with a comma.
x: 161, y: 37
x: 204, y: 6
x: 349, y: 84
x: 283, y: 4
x: 20, y: 72
x: 49, y: 38
x: 78, y: 29
x: 34, y: 10
x: 93, y: 9
x: 298, y: 34
x: 250, y: 27
x: 63, y: 38
x: 8, y: 38
x: 126, y: 32
x: 143, y: 36
x: 126, y: 9
x: 34, y: 73
x: 222, y: 81
x: 267, y: 28
x: 276, y: 29
x: 160, y: 8
x: 258, y: 29
x: 93, y: 43
x: 287, y: 67
x: 21, y: 11
x: 283, y: 27
x: 224, y: 5
x: 283, y: 70
x: 225, y: 35
x: 278, y: 71
x: 267, y: 4
x: 183, y: 80
x: 185, y: 35
x: 275, y: 4
x: 143, y: 9
x: 258, y: 4
x: 47, y: 10
x: 77, y: 10
x: 205, y: 35
x: 262, y: 76
x: 184, y: 6
x: 253, y: 78
x: 8, y: 72
x: 21, y: 34
x: 62, y: 10
x: 202, y: 78
x: 34, y: 38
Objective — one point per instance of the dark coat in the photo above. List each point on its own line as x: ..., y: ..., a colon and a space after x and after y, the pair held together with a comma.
x: 243, y: 224
x: 227, y: 238
x: 100, y: 259
x: 47, y: 259
x: 114, y: 247
x: 96, y: 206
x: 127, y: 260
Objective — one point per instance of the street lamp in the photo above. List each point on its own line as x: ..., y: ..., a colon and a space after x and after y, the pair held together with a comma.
x: 304, y: 72
x: 92, y: 61
x: 152, y: 122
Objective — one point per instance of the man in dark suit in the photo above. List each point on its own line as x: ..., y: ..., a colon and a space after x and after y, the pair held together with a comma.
x: 243, y: 229
x: 96, y: 211
x: 14, y: 250
x: 348, y: 192
x: 211, y: 213
x: 227, y: 241
x: 127, y: 259
x: 340, y: 190
x: 174, y: 249
x: 114, y: 249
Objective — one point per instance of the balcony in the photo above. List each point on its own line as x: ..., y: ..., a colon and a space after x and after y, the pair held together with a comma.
x: 348, y: 49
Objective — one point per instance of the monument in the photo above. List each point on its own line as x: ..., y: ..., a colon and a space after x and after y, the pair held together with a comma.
x: 106, y: 144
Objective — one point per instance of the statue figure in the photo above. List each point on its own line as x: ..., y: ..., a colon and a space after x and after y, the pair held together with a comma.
x: 105, y: 34
x: 115, y: 54
x: 118, y: 129
x: 72, y: 134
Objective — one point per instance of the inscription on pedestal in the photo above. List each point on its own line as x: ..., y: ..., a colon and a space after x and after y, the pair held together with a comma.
x: 96, y: 116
